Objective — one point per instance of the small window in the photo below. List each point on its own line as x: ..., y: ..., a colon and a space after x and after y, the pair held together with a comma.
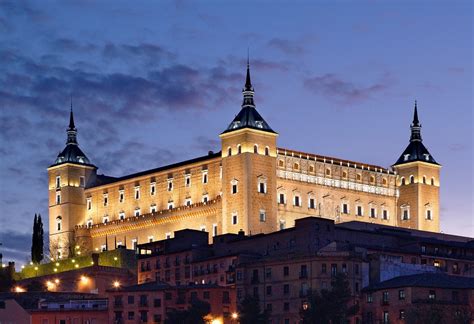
x: 255, y: 149
x: 372, y: 179
x: 296, y: 166
x: 328, y: 172
x: 188, y: 202
x: 214, y: 229
x: 167, y: 236
x: 267, y: 151
x: 402, y: 181
x: 296, y: 201
x: 424, y: 179
x: 345, y: 208
x: 205, y: 198
x: 203, y: 228
x: 281, y: 163
x: 170, y: 205
x: 170, y: 184
x: 137, y: 212
x: 344, y: 174
x: 229, y: 151
x: 137, y: 193
x: 152, y: 189
x: 359, y: 177
x: 263, y: 216
x: 58, y: 223
x: 428, y: 215
x: 89, y: 223
x: 106, y: 200
x: 412, y: 179
x: 262, y: 186
x: 105, y: 219
x: 234, y: 218
x: 234, y: 188
x: 187, y: 180
x: 384, y: 181
x: 432, y: 295
x: 204, y: 177
x: 121, y: 196
x: 239, y: 149
x: 432, y: 181
x: 89, y: 203
x: 150, y: 238
x: 58, y: 182
x: 153, y: 209
x: 401, y: 294
x: 121, y: 215
x: 58, y: 198
x: 405, y: 214
x: 311, y: 168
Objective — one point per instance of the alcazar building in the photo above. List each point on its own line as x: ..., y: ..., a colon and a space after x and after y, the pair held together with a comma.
x: 250, y: 185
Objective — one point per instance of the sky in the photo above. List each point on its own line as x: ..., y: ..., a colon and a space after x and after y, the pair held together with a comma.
x: 155, y: 82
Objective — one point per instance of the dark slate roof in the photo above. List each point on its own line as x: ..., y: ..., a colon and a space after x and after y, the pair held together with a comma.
x: 416, y: 151
x: 72, y: 154
x: 248, y: 117
x: 428, y: 280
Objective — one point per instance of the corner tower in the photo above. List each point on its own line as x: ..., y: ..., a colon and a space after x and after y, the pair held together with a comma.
x: 249, y: 170
x: 68, y: 177
x: 418, y: 182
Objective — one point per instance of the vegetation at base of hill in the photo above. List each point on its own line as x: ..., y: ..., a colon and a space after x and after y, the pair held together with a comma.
x: 250, y: 312
x: 193, y: 315
x: 37, y: 244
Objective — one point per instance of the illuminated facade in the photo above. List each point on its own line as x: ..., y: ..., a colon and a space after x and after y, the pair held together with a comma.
x: 250, y: 185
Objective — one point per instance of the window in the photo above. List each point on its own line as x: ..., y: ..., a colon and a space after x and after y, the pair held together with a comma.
x: 385, y: 318
x: 344, y: 174
x: 401, y: 294
x: 239, y: 149
x: 432, y: 295
x: 345, y: 208
x: 402, y: 181
x: 82, y: 182
x: 153, y: 208
x: 121, y: 215
x: 286, y: 306
x: 372, y: 179
x: 170, y: 205
x: 106, y: 199
x: 281, y: 163
x: 203, y: 228
x: 262, y: 185
x: 58, y: 223
x: 432, y: 181
x: 58, y: 182
x: 188, y: 202
x: 170, y: 185
x: 359, y: 177
x: 412, y: 179
x: 167, y: 236
x: 268, y: 273
x: 214, y: 229
x: 205, y: 198
x: 328, y: 172
x: 360, y: 211
x: 234, y: 189
x: 281, y: 198
x: 105, y: 219
x: 121, y: 196
x: 150, y: 238
x: 424, y: 179
x: 296, y: 166
x: 58, y: 198
x: 255, y: 149
x: 89, y: 203
x: 103, y: 247
x: 333, y: 270
x: 428, y: 214
x: 267, y: 150
x: 131, y: 299
x: 323, y: 268
x: 206, y: 295
x: 402, y: 314
x: 137, y: 192
x: 187, y: 180
x: 286, y: 271
x: 296, y: 201
x: 370, y: 298
x: 137, y: 212
x: 385, y: 297
x: 89, y: 223
x: 405, y: 213
x: 229, y: 151
x: 269, y: 290
x: 131, y: 315
x: 152, y: 188
x: 373, y: 212
x: 204, y: 176
x: 234, y: 218
x: 311, y: 203
x: 263, y: 215
x: 384, y: 181
x: 134, y: 244
x: 385, y: 214
x: 157, y: 302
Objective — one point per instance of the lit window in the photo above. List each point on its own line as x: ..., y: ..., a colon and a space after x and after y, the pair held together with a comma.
x: 234, y: 218
x: 137, y: 192
x: 296, y: 201
x: 121, y: 215
x: 255, y: 149
x: 103, y: 247
x: 187, y: 180
x: 59, y: 220
x: 58, y: 198
x: 170, y: 184
x: 106, y: 200
x: 267, y: 151
x: 152, y: 188
x: 205, y: 198
x: 401, y: 294
x: 121, y: 196
x: 263, y: 215
x: 311, y: 203
x: 105, y: 219
x: 153, y: 208
x: 137, y: 212
x: 214, y: 229
x: 89, y: 203
x: 82, y: 182
x: 204, y: 176
x: 432, y: 295
x: 58, y: 182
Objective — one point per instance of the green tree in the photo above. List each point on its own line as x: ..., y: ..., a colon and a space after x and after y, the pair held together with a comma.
x: 193, y: 315
x: 37, y: 246
x: 250, y: 312
x: 40, y: 240
x: 329, y: 306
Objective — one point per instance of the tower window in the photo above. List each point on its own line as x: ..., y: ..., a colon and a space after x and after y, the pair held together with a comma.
x: 234, y: 218
x: 234, y: 189
x: 311, y: 203
x: 267, y: 150
x: 424, y: 179
x: 89, y: 203
x: 58, y: 182
x: 58, y: 198
x: 255, y: 149
x: 204, y: 177
x: 432, y: 182
x: 187, y: 180
x: 170, y: 184
x: 239, y: 149
x: 152, y: 188
x: 412, y: 179
x: 59, y: 220
x: 263, y: 215
x: 281, y: 198
x: 137, y: 192
x: 106, y: 200
x: 229, y: 151
x: 82, y: 182
x: 121, y: 196
x: 428, y: 215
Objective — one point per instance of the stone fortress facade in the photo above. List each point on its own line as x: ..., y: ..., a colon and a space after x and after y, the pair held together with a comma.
x: 252, y: 185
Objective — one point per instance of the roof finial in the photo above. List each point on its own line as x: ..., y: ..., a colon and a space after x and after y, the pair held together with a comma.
x: 416, y: 122
x: 415, y: 126
x: 71, y: 118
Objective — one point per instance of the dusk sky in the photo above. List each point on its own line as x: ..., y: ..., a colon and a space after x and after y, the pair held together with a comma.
x: 155, y: 82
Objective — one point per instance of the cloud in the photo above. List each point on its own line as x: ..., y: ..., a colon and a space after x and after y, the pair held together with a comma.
x: 334, y: 88
x: 286, y: 46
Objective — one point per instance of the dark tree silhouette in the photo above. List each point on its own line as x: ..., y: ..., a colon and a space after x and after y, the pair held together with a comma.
x: 250, y: 312
x: 329, y: 306
x: 37, y: 253
x: 193, y: 315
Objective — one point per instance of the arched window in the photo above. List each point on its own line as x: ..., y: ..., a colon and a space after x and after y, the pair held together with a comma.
x: 89, y: 223
x: 412, y: 179
x: 432, y: 182
x: 255, y: 149
x: 239, y: 149
x: 372, y: 179
x: 311, y: 168
x: 424, y: 179
x: 344, y: 174
x: 358, y: 177
x: 384, y: 181
x: 328, y: 172
x: 229, y: 151
x: 267, y: 150
x: 281, y: 163
x: 296, y: 166
x: 59, y: 220
x: 402, y: 181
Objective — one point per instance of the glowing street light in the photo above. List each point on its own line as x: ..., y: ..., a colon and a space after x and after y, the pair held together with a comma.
x: 84, y: 279
x: 56, y: 281
x: 216, y: 321
x: 19, y: 289
x: 235, y: 316
x: 116, y: 284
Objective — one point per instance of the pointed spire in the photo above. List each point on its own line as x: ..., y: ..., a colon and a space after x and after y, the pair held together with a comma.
x: 71, y: 131
x: 71, y: 118
x: 248, y: 90
x: 415, y: 126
